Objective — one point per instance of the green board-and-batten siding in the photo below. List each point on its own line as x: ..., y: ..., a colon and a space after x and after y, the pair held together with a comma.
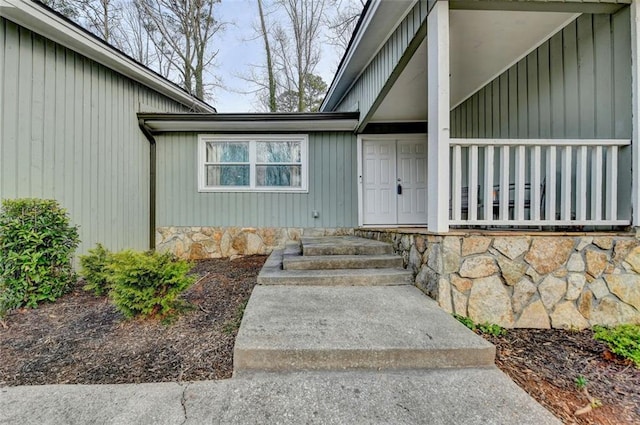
x: 373, y: 79
x: 332, y: 189
x: 575, y: 85
x: 68, y: 131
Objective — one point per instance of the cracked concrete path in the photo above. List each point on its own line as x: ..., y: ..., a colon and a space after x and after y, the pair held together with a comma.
x: 438, y: 396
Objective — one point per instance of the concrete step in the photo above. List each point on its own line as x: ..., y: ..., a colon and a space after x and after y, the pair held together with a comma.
x: 344, y: 245
x: 295, y: 328
x: 324, y: 262
x: 341, y: 277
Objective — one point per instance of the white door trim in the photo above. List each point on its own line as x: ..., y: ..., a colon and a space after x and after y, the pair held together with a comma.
x: 360, y: 138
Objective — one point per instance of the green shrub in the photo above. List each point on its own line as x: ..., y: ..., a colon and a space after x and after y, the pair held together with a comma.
x: 147, y: 284
x: 492, y: 329
x: 485, y: 328
x: 37, y: 243
x: 623, y: 340
x: 465, y: 321
x: 94, y: 269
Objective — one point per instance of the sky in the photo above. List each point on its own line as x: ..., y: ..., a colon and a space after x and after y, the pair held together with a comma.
x: 239, y: 49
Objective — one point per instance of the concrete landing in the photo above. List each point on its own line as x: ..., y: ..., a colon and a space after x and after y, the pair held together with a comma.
x: 292, y: 328
x: 344, y: 245
x: 463, y: 396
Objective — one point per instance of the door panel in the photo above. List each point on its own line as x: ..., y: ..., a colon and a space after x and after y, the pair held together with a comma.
x: 412, y: 172
x: 379, y: 175
x: 387, y: 163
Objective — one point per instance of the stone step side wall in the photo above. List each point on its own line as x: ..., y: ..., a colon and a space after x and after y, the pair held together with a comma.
x: 195, y: 243
x: 526, y: 281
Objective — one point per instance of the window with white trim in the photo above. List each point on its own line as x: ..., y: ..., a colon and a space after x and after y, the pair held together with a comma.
x: 267, y: 163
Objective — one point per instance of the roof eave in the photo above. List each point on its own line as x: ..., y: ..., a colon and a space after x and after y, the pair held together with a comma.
x: 247, y: 123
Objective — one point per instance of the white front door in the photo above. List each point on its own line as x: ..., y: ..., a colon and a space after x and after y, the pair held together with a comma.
x: 394, y: 181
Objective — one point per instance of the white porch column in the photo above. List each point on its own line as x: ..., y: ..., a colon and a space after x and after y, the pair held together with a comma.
x: 438, y: 117
x: 635, y: 112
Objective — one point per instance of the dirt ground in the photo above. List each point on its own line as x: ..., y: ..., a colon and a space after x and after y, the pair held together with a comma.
x: 82, y: 339
x: 546, y: 363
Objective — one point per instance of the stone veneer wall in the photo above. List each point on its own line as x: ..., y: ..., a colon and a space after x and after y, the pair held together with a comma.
x: 528, y: 281
x: 196, y: 243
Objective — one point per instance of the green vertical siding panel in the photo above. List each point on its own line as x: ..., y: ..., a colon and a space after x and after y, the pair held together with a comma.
x: 481, y: 113
x: 496, y: 111
x: 9, y: 131
x: 572, y: 105
x: 622, y: 104
x: 586, y: 77
x: 621, y: 66
x: 556, y: 76
x: 604, y: 75
x: 504, y: 105
x: 544, y: 85
x: 523, y: 100
x: 533, y: 101
x: 69, y: 132
x: 25, y: 60
x: 331, y: 191
x: 58, y: 134
x: 38, y: 167
x: 512, y: 96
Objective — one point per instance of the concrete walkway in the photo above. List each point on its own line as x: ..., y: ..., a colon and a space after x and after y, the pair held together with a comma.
x: 362, y: 346
x: 450, y: 396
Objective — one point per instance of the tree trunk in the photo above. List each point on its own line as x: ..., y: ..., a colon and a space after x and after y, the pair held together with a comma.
x: 273, y: 106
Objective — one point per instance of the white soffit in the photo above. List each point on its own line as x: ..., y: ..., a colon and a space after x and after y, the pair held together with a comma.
x: 484, y: 43
x: 407, y: 99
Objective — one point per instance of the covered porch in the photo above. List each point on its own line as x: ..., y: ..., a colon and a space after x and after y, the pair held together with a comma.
x: 530, y: 110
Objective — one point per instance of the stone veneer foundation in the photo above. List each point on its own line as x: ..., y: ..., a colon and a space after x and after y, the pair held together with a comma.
x: 511, y: 279
x: 197, y: 243
x: 525, y: 280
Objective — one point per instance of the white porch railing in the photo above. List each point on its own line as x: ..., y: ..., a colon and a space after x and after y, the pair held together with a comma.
x: 534, y: 182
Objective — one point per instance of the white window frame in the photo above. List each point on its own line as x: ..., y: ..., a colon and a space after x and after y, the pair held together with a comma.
x: 253, y: 139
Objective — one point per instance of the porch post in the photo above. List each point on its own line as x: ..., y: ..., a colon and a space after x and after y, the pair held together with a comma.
x: 635, y: 113
x: 438, y: 117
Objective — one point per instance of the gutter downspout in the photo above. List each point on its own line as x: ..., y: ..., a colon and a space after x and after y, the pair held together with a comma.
x: 152, y: 182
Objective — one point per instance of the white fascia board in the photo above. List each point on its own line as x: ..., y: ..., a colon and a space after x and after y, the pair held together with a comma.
x: 304, y: 126
x: 41, y: 21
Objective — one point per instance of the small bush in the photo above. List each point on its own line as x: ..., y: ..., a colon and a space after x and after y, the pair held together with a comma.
x: 37, y: 243
x: 147, y: 284
x: 94, y: 269
x: 623, y: 340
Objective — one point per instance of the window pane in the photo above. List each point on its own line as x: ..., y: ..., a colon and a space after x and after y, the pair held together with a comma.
x: 227, y: 152
x: 279, y: 175
x: 227, y: 175
x: 274, y: 152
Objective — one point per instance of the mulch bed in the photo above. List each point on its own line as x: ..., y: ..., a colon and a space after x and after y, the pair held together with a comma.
x: 82, y: 339
x: 546, y: 363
